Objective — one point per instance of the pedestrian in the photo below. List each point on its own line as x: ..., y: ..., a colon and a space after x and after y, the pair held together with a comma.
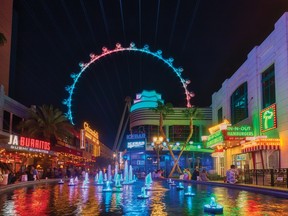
x: 35, y: 174
x: 195, y: 174
x: 203, y: 176
x: 232, y: 175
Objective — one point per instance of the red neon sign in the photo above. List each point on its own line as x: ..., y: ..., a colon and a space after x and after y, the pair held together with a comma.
x: 34, y: 143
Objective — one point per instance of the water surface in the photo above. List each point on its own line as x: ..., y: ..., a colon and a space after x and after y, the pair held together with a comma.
x: 59, y: 200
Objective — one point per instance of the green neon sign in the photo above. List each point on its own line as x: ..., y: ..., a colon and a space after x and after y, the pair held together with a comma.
x: 215, y: 138
x: 268, y: 118
x: 240, y: 131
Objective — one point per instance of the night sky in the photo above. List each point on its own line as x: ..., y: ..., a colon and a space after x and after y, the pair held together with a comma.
x: 209, y: 39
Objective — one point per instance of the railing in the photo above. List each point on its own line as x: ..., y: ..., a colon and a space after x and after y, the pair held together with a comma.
x: 266, y: 177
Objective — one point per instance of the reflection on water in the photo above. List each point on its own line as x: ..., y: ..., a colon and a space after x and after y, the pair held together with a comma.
x: 54, y: 199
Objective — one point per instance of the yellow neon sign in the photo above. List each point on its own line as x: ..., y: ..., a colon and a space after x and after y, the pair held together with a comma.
x: 217, y: 127
x: 91, y: 134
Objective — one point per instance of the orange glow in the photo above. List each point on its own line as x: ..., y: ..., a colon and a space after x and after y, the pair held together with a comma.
x: 217, y: 127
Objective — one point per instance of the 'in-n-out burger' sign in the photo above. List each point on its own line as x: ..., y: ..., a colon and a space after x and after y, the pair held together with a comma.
x: 28, y: 142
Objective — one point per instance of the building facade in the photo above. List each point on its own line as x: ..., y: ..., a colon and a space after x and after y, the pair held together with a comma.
x: 20, y: 151
x: 253, y: 105
x: 144, y: 125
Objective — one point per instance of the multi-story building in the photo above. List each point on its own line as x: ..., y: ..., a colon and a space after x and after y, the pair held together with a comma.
x: 250, y: 109
x: 144, y: 125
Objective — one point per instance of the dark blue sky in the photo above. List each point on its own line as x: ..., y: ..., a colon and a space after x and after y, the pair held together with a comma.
x: 209, y: 39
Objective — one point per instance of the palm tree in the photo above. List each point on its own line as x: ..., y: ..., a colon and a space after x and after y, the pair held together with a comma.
x: 3, y: 39
x: 48, y: 123
x: 190, y: 113
x: 164, y: 110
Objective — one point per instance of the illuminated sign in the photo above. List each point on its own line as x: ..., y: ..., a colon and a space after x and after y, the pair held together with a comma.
x: 241, y: 157
x: 268, y: 118
x: 236, y: 132
x: 215, y: 138
x: 91, y: 134
x: 82, y: 139
x: 135, y: 136
x: 219, y: 126
x: 28, y: 144
x: 136, y: 144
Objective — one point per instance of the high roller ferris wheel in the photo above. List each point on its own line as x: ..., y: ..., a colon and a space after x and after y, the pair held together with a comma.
x: 118, y: 48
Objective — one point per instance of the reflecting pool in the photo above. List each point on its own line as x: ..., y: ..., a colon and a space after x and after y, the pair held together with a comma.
x: 164, y: 199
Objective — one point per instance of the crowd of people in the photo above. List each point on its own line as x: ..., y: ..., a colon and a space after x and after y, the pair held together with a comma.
x: 32, y: 174
x: 196, y: 175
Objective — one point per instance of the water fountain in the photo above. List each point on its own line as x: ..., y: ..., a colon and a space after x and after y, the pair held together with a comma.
x: 148, y: 181
x: 60, y: 181
x: 118, y: 186
x: 115, y: 172
x: 134, y: 178
x: 121, y: 177
x: 84, y: 184
x: 143, y: 194
x: 86, y: 178
x: 130, y: 178
x: 213, y: 207
x: 117, y: 182
x: 189, y: 191
x: 96, y: 177
x: 99, y: 178
x: 126, y: 174
x: 71, y: 182
x: 76, y: 180
x: 109, y: 176
x: 170, y: 182
x: 180, y: 186
x: 105, y: 177
x: 107, y: 187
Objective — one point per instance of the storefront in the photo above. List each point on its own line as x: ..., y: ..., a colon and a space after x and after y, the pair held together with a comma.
x: 264, y: 152
x: 226, y: 141
x: 68, y: 157
x: 20, y: 151
x: 136, y: 153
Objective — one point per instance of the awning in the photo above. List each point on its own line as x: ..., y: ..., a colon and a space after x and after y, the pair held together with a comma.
x: 261, y: 144
x: 63, y: 149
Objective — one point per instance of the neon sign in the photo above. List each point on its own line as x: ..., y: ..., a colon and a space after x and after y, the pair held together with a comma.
x: 215, y: 138
x: 28, y: 143
x: 218, y: 127
x: 136, y: 136
x: 91, y: 134
x: 241, y: 131
x: 136, y: 144
x: 268, y: 118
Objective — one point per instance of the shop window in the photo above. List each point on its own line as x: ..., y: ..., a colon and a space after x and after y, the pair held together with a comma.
x: 6, y: 121
x: 239, y: 104
x: 220, y: 115
x: 151, y: 131
x: 268, y: 87
x: 179, y: 133
x: 15, y: 123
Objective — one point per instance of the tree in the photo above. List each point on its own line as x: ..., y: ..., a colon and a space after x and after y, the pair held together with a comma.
x: 190, y: 113
x: 3, y: 39
x: 48, y: 123
x: 164, y: 110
